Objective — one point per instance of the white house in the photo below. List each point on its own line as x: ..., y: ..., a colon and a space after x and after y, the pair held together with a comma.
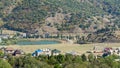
x: 46, y: 51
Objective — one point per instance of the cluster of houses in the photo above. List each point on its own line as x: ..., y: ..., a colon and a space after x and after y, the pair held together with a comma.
x: 106, y: 51
x: 11, y: 51
x: 51, y: 52
x: 46, y: 51
x: 111, y: 51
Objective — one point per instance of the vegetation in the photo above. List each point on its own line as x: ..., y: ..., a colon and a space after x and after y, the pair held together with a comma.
x: 60, y: 61
x: 28, y: 15
x: 4, y: 64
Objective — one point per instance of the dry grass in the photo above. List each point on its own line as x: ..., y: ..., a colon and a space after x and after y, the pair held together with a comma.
x: 65, y: 47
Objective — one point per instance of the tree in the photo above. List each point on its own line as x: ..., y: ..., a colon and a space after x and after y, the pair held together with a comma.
x: 4, y: 64
x: 84, y: 58
x: 91, y: 57
x: 52, y: 60
x: 68, y: 58
x: 75, y: 65
x: 60, y: 58
x: 77, y: 59
x: 1, y: 53
x: 57, y: 66
x: 11, y: 60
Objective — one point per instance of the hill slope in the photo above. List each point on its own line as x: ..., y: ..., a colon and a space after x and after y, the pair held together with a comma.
x: 63, y: 15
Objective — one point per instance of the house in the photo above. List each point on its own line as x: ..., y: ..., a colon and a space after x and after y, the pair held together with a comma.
x: 117, y: 51
x: 46, y: 51
x: 56, y: 52
x: 37, y: 52
x: 18, y: 53
x: 9, y: 50
x: 108, y: 50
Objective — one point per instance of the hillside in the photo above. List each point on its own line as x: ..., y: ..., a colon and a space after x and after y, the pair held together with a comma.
x: 60, y: 15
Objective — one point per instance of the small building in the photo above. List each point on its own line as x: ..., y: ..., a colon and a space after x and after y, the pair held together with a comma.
x: 56, y: 52
x: 9, y: 50
x: 46, y: 51
x: 108, y: 50
x: 37, y: 52
x: 18, y: 53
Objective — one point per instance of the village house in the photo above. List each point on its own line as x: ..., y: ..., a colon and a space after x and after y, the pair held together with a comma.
x: 45, y: 51
x: 37, y: 52
x: 9, y: 50
x: 18, y: 53
x: 55, y: 52
x: 111, y: 51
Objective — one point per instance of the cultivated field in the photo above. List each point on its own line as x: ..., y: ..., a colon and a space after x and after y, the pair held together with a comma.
x: 65, y: 47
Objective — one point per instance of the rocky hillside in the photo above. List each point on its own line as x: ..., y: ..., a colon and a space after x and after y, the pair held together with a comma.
x: 59, y: 15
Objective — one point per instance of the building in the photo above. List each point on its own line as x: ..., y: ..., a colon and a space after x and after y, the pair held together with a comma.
x: 46, y: 51
x: 56, y: 52
x: 37, y: 52
x: 18, y: 53
x: 9, y: 50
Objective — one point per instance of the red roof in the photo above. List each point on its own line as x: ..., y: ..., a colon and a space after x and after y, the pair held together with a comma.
x: 9, y: 49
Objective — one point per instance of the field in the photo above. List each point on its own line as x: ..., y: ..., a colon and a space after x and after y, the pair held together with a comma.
x: 65, y: 47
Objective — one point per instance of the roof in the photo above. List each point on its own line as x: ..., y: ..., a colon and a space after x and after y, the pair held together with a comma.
x: 46, y: 49
x: 17, y: 51
x: 38, y: 50
x: 107, y: 48
x: 56, y: 51
x: 9, y: 48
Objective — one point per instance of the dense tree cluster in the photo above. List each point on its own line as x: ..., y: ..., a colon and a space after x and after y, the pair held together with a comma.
x: 60, y: 61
